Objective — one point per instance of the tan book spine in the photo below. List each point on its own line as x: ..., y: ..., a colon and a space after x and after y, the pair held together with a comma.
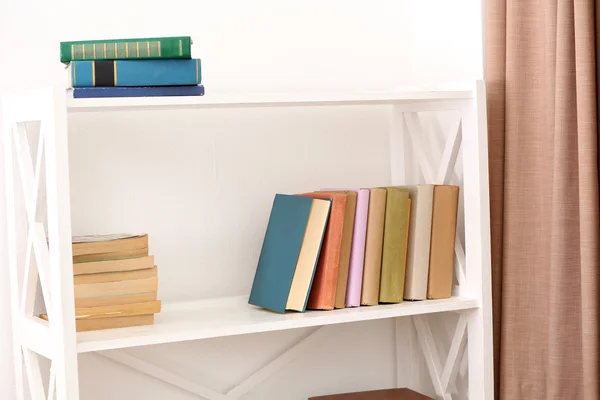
x: 115, y: 300
x: 136, y: 286
x: 115, y: 276
x: 121, y: 310
x: 119, y: 255
x: 373, y: 247
x: 128, y: 264
x: 84, y: 325
x: 419, y: 240
x: 110, y: 246
x: 443, y: 237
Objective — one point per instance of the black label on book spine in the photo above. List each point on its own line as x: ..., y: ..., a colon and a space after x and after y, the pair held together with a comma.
x: 105, y: 73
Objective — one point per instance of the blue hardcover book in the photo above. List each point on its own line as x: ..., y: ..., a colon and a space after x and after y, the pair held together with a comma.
x: 98, y: 92
x: 170, y: 72
x: 289, y: 253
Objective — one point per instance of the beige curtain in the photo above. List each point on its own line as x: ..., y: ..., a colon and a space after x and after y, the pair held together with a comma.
x: 542, y: 104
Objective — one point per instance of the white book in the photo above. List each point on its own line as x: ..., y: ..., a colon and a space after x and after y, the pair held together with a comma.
x: 419, y: 240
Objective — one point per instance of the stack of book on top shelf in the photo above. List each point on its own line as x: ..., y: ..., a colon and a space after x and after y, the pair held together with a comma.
x: 338, y: 248
x: 116, y: 282
x: 132, y: 67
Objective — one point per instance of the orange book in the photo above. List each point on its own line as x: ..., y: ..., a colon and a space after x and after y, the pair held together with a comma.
x: 323, y: 290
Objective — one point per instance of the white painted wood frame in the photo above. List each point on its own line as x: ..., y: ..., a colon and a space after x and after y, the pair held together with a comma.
x: 39, y: 239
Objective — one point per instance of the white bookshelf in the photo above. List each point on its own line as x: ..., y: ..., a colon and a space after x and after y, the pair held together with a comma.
x: 229, y: 316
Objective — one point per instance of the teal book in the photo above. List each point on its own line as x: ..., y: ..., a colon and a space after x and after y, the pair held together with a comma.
x: 134, y: 73
x: 289, y: 253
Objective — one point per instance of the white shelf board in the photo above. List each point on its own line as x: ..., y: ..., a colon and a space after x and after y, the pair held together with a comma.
x: 231, y: 316
x: 255, y: 100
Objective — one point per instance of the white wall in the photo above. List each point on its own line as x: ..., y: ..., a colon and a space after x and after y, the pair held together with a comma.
x: 201, y: 246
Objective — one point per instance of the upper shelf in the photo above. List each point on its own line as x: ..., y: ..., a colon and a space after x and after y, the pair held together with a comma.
x: 231, y: 316
x: 254, y: 100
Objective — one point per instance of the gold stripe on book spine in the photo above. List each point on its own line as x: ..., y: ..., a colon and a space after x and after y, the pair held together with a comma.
x: 159, y: 48
x: 148, y: 47
x: 115, y: 50
x: 137, y: 49
x: 72, y: 52
x: 115, y: 72
x: 83, y: 50
x: 127, y: 50
x: 104, y: 50
x: 180, y: 48
x: 93, y: 73
x: 94, y: 50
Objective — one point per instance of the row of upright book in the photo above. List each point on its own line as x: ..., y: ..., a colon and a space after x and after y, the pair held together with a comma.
x: 338, y: 248
x: 142, y: 67
x: 115, y: 282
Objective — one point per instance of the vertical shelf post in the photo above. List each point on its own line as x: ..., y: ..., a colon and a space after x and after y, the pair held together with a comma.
x: 478, y: 247
x: 62, y: 325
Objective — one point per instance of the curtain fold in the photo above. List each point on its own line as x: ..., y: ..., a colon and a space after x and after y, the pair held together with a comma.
x: 543, y: 149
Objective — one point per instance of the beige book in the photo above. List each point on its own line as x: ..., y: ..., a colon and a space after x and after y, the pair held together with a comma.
x: 419, y: 240
x: 115, y: 276
x: 115, y: 300
x: 121, y: 288
x: 309, y: 253
x: 373, y: 247
x: 443, y: 237
x: 117, y: 255
x: 84, y: 325
x: 120, y: 310
x: 128, y: 264
x: 96, y: 244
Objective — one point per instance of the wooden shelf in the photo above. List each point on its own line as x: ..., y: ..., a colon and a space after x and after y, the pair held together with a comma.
x: 231, y: 316
x: 256, y: 100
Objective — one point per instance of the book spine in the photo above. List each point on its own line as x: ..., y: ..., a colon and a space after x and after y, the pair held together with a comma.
x: 357, y: 256
x: 417, y: 263
x: 395, y: 239
x: 120, y: 49
x: 135, y: 73
x: 158, y: 91
x: 443, y: 238
x: 373, y: 248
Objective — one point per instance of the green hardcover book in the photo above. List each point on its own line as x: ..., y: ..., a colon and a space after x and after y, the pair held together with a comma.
x: 395, y: 243
x: 124, y: 49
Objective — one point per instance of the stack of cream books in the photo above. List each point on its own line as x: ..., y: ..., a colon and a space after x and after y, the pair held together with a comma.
x: 116, y: 281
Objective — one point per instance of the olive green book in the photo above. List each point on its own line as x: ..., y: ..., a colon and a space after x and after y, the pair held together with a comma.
x: 126, y: 49
x: 395, y: 244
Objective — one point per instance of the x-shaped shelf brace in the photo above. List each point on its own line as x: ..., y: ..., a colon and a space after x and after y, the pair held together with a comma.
x: 33, y: 331
x: 242, y: 389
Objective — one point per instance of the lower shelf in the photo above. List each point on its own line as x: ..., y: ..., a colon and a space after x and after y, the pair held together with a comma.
x: 229, y: 316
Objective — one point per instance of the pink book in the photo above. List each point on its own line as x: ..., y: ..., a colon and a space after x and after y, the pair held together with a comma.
x: 357, y: 254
